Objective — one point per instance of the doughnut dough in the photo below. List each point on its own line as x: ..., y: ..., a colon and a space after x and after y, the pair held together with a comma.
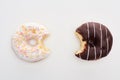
x: 28, y: 42
x: 95, y: 41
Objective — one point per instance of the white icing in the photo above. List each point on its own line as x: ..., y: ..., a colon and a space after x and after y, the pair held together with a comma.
x: 107, y: 45
x: 21, y: 46
x: 88, y: 52
x: 107, y: 41
x: 94, y: 29
x: 88, y: 30
x: 88, y: 38
x: 100, y: 41
x: 95, y: 51
x: 94, y: 38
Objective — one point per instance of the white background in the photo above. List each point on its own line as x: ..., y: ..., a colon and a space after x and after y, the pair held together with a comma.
x: 61, y: 17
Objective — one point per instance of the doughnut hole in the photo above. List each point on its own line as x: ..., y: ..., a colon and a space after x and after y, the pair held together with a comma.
x: 32, y: 42
x: 93, y: 42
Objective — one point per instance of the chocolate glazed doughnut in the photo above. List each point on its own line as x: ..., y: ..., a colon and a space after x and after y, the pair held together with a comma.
x: 95, y: 40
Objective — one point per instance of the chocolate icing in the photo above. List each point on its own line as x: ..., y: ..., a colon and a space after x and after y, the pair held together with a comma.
x: 99, y: 40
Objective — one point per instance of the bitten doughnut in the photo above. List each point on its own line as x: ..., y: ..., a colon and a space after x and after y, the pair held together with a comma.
x: 95, y: 41
x: 28, y: 44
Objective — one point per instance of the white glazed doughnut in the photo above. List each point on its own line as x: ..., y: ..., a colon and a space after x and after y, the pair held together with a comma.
x: 28, y: 42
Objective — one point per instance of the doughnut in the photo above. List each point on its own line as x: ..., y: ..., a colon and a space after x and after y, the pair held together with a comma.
x: 28, y: 42
x: 95, y: 41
